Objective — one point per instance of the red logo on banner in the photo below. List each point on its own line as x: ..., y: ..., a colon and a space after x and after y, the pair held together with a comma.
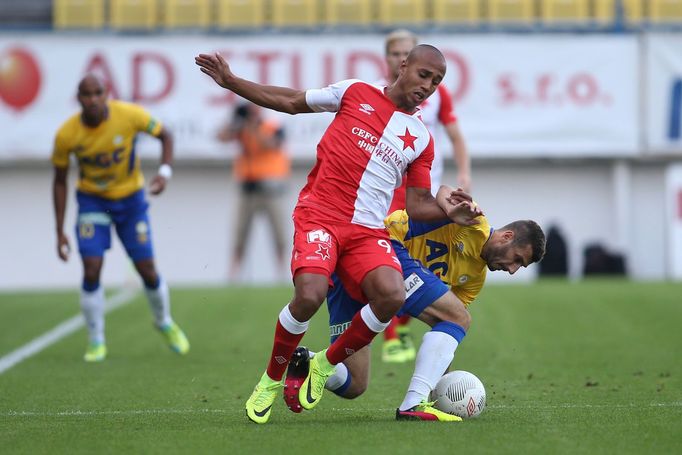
x: 19, y: 78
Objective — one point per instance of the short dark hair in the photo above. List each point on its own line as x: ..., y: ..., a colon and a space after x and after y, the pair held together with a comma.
x: 528, y: 232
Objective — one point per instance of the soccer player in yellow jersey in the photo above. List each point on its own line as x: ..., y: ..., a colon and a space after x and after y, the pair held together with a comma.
x: 444, y: 267
x: 110, y: 192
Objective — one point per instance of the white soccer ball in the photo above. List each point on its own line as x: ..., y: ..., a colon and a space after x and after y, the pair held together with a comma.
x: 459, y: 393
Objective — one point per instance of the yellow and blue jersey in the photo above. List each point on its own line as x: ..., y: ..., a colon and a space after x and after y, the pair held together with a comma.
x: 452, y: 252
x: 109, y: 166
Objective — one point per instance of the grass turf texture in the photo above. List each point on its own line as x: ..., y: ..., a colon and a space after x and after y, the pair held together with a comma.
x: 590, y: 367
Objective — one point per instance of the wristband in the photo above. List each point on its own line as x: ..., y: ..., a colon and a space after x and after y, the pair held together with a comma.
x: 165, y: 171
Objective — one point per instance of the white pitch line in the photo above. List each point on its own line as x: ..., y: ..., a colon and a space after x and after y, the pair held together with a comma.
x: 133, y: 412
x: 61, y: 331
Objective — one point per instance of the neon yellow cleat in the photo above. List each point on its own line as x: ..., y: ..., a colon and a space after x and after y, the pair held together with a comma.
x: 313, y: 386
x: 409, y: 350
x: 392, y: 352
x: 259, y: 404
x: 426, y: 411
x: 96, y: 352
x: 175, y: 338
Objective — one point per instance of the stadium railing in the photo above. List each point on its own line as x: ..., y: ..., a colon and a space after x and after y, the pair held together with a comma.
x: 371, y: 15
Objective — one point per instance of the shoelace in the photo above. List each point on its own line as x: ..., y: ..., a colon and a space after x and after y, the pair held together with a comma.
x: 318, y: 387
x: 426, y: 404
x: 264, y: 396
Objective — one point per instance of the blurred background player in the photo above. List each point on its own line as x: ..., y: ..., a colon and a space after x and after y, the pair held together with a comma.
x: 375, y: 138
x: 110, y: 192
x: 262, y: 169
x: 438, y: 115
x: 444, y: 267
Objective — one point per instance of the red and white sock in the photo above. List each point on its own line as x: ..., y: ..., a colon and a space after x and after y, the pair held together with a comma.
x: 288, y: 334
x: 363, y: 328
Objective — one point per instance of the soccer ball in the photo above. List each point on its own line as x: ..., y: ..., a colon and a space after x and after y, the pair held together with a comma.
x: 459, y: 393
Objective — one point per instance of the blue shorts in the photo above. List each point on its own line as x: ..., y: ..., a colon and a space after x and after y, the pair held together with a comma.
x: 421, y: 286
x: 128, y: 215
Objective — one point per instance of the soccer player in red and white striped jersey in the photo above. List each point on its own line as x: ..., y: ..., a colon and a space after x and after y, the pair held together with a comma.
x: 375, y: 140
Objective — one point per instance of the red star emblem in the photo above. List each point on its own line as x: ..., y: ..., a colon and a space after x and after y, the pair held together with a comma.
x: 408, y: 139
x: 323, y: 251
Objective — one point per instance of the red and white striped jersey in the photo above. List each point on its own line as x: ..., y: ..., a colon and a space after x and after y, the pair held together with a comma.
x: 364, y: 153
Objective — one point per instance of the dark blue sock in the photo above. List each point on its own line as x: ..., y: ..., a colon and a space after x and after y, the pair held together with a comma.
x: 155, y: 285
x: 341, y: 390
x: 456, y: 331
x: 90, y: 287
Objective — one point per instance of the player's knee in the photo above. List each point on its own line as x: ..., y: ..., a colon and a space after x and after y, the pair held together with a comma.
x: 388, y: 302
x: 307, y: 300
x: 91, y: 273
x: 151, y: 280
x: 90, y: 276
x: 385, y: 289
x: 147, y: 271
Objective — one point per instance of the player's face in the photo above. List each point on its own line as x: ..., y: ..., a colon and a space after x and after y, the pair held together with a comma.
x: 420, y: 78
x: 92, y: 97
x: 507, y: 256
x: 395, y: 55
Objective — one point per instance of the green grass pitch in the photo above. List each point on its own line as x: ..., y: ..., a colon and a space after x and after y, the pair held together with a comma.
x: 590, y: 367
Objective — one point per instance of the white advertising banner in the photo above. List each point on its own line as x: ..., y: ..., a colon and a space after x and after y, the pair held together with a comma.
x: 673, y: 186
x: 516, y: 96
x: 664, y: 94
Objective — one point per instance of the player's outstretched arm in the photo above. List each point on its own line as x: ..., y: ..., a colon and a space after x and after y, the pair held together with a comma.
x: 59, y: 201
x: 280, y: 99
